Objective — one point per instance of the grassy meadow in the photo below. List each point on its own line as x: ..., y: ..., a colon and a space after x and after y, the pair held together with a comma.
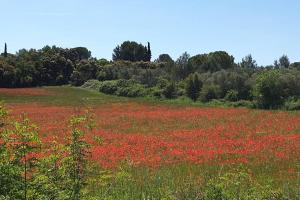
x: 147, y: 149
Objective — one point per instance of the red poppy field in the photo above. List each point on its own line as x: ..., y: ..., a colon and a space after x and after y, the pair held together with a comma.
x: 160, y: 135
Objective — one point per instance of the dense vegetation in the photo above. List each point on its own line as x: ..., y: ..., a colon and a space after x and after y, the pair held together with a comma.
x: 204, y: 77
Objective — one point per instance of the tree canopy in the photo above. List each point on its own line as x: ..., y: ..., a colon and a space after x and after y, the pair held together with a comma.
x: 132, y: 51
x: 204, y: 77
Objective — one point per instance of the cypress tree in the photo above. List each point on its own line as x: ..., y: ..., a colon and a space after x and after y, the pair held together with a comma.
x: 190, y: 88
x: 170, y: 91
x: 193, y: 86
x: 145, y: 54
x: 117, y: 54
x: 149, y: 54
x: 5, y: 50
x: 197, y: 84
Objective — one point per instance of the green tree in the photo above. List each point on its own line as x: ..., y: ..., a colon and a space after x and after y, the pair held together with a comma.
x: 26, y: 145
x: 59, y: 173
x: 19, y: 157
x: 5, y: 50
x: 84, y: 70
x: 116, y: 53
x: 211, y: 62
x: 268, y: 91
x: 3, y: 114
x: 51, y: 180
x: 164, y: 58
x: 276, y: 64
x: 284, y: 61
x: 149, y: 53
x: 193, y: 86
x: 232, y: 95
x: 182, y: 66
x: 147, y: 78
x: 8, y: 73
x: 209, y: 92
x: 200, y: 63
x: 132, y: 51
x: 248, y: 62
x: 79, y: 151
x: 220, y: 60
x: 81, y: 52
x: 231, y: 80
x: 170, y: 91
x: 289, y: 81
x: 296, y: 65
x: 11, y: 180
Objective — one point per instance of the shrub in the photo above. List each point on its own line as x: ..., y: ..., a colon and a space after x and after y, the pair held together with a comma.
x: 268, y: 91
x: 130, y: 88
x: 3, y: 114
x: 217, y: 102
x: 92, y: 85
x: 162, y: 83
x: 289, y: 80
x: 156, y: 92
x: 108, y: 87
x: 292, y: 104
x: 209, y: 92
x: 233, y: 185
x: 60, y: 80
x: 126, y: 88
x: 135, y: 90
x: 75, y: 78
x: 243, y: 103
x: 231, y: 95
x: 238, y: 184
x: 170, y: 91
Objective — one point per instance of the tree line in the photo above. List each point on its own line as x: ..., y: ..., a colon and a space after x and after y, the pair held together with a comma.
x: 212, y: 77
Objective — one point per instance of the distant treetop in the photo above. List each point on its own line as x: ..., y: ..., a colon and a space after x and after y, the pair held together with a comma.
x: 5, y: 50
x: 132, y: 51
x: 164, y: 58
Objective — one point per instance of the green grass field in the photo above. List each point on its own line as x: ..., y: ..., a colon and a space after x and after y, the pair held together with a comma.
x: 63, y: 96
x: 66, y: 95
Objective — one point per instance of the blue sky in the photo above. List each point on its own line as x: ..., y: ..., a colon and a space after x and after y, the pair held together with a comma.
x: 265, y: 28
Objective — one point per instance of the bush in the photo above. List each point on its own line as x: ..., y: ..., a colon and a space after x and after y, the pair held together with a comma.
x: 268, y: 91
x: 126, y: 88
x: 231, y: 185
x: 75, y: 79
x: 156, y: 92
x: 217, y: 102
x: 164, y: 88
x: 292, y: 104
x: 243, y: 103
x: 135, y: 90
x: 60, y: 80
x: 209, y: 92
x: 239, y: 185
x: 108, y: 87
x: 170, y: 91
x: 92, y: 85
x: 231, y: 95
